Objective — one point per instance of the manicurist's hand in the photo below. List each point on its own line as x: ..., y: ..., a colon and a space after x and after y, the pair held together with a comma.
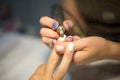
x: 46, y: 71
x: 48, y: 31
x: 91, y: 49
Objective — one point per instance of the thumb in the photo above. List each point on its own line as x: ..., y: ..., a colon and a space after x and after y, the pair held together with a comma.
x: 79, y: 44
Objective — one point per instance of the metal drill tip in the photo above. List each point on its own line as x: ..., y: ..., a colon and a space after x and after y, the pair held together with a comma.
x: 61, y: 30
x: 62, y: 35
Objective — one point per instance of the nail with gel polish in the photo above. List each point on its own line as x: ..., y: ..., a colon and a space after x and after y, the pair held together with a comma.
x: 52, y: 42
x: 69, y: 25
x: 70, y: 37
x: 70, y: 47
x: 54, y: 25
x: 59, y: 48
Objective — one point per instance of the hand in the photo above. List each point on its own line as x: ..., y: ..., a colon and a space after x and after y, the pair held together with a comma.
x: 87, y: 49
x: 45, y: 71
x: 48, y: 32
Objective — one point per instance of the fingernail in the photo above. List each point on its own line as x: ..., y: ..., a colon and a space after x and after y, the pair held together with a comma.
x: 70, y: 37
x: 54, y: 25
x: 61, y: 39
x: 70, y: 47
x: 59, y: 48
x: 68, y: 24
x: 52, y: 42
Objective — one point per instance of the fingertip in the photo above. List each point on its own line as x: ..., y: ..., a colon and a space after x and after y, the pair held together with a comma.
x: 42, y: 19
x: 60, y: 49
x: 52, y: 43
x: 70, y: 48
x: 49, y: 22
x: 54, y: 25
x: 68, y: 24
x: 41, y: 31
x: 69, y: 39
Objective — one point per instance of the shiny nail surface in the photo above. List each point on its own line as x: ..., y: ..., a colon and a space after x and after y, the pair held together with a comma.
x: 59, y: 48
x: 68, y: 24
x: 70, y: 46
x: 54, y: 25
x: 52, y: 42
x: 70, y: 37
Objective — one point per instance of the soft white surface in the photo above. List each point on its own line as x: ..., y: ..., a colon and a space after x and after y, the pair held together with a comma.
x: 22, y: 60
x: 24, y: 54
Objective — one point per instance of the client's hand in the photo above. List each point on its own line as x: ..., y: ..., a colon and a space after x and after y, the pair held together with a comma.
x: 89, y: 49
x: 46, y: 71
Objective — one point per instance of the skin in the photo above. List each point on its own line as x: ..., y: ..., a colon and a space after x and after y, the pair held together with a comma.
x: 109, y: 49
x: 45, y: 71
x: 87, y: 49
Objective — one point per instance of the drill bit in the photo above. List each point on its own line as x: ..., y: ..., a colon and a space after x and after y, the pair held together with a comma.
x: 61, y: 30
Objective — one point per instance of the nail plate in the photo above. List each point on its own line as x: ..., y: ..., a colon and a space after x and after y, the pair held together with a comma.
x: 54, y: 25
x: 70, y: 37
x: 59, y: 48
x: 68, y: 24
x: 52, y: 42
x: 70, y: 47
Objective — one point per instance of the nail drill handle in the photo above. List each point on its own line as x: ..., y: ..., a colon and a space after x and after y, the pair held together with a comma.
x: 58, y: 15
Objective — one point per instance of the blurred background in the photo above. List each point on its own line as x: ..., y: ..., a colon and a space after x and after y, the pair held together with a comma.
x: 23, y: 15
x: 21, y: 50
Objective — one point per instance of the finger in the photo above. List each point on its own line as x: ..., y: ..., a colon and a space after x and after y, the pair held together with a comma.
x: 52, y: 62
x: 69, y: 39
x: 49, y: 22
x: 41, y: 69
x: 68, y: 24
x: 65, y: 63
x: 52, y: 43
x: 82, y: 57
x: 46, y: 32
x: 80, y: 44
x: 72, y: 38
x: 59, y: 44
x: 38, y: 73
x: 48, y: 41
x: 86, y: 55
x: 61, y: 47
